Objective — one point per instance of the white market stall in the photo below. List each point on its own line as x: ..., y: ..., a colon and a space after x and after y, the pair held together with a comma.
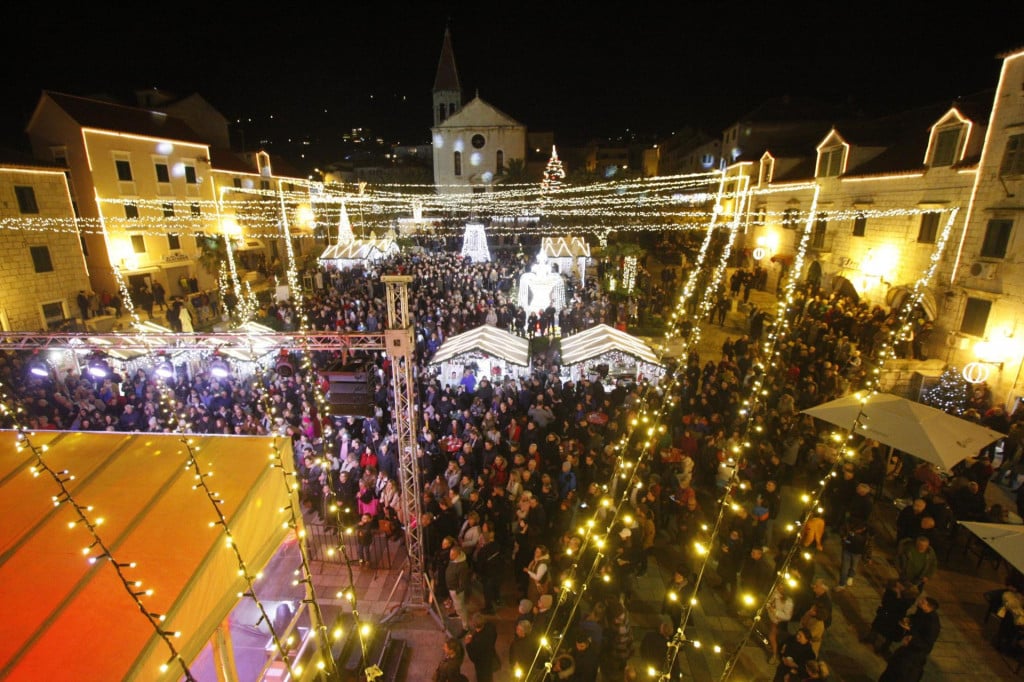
x: 607, y: 351
x: 358, y: 252
x: 491, y: 352
x: 570, y: 254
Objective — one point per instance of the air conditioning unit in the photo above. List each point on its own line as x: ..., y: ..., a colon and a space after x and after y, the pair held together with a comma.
x: 983, y: 270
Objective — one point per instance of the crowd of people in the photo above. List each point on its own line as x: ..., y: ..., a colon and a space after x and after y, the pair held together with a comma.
x: 511, y: 466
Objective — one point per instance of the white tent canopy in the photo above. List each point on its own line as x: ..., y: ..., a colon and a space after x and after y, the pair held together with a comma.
x: 1005, y: 538
x: 623, y: 353
x: 602, y: 339
x: 485, y: 339
x: 360, y: 250
x: 917, y: 429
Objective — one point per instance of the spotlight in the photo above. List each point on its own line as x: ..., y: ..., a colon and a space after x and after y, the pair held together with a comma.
x: 219, y: 368
x: 99, y: 368
x: 284, y: 367
x: 165, y: 370
x: 38, y: 368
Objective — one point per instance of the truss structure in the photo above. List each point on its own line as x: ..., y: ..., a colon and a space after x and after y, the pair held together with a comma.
x: 171, y: 341
x: 397, y: 342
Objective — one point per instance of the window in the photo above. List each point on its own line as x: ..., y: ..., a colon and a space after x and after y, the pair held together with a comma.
x: 173, y: 242
x: 500, y: 163
x: 929, y: 228
x: 830, y: 163
x: 196, y: 211
x: 238, y: 183
x: 860, y: 225
x: 41, y: 260
x: 124, y: 170
x: 190, y: 175
x: 53, y: 314
x: 1013, y: 156
x: 947, y: 147
x: 975, y: 316
x: 820, y: 228
x: 477, y: 141
x: 138, y: 243
x: 163, y: 174
x: 440, y: 112
x: 264, y: 184
x: 458, y: 163
x: 790, y: 219
x: 26, y: 199
x: 451, y: 108
x: 168, y: 210
x: 997, y: 238
x: 131, y: 211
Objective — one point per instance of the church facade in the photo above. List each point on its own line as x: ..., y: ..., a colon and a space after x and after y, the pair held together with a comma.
x: 474, y: 144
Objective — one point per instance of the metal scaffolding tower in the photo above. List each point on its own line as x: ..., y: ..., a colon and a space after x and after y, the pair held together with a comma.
x: 400, y: 347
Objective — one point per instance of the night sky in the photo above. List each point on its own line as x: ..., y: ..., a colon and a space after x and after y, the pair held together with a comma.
x: 573, y: 68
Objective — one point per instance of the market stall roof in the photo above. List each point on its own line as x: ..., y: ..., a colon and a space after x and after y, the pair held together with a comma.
x: 71, y: 619
x: 360, y: 249
x: 565, y: 247
x: 485, y: 339
x: 602, y: 339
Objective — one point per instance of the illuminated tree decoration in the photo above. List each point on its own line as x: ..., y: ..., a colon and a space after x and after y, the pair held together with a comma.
x: 554, y: 173
x: 950, y: 393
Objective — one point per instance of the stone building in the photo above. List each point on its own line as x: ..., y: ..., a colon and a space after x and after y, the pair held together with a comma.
x: 878, y: 196
x: 43, y: 268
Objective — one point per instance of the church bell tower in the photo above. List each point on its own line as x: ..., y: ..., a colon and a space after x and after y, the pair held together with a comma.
x: 447, y: 92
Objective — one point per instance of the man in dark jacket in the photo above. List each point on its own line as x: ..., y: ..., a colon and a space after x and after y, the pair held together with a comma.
x: 480, y: 647
x: 907, y: 662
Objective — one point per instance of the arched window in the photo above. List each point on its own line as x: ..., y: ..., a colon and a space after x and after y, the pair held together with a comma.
x: 441, y: 111
x: 458, y: 163
x: 500, y: 170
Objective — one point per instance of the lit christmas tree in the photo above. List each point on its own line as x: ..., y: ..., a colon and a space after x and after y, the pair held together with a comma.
x: 950, y: 394
x: 553, y: 173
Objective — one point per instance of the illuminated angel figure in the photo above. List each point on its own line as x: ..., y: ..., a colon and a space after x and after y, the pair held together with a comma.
x: 541, y: 288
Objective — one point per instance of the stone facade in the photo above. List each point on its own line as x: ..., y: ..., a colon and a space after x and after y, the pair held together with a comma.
x: 878, y: 205
x: 42, y: 270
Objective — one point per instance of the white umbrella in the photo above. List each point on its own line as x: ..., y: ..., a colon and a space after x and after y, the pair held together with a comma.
x: 908, y: 426
x: 1005, y: 538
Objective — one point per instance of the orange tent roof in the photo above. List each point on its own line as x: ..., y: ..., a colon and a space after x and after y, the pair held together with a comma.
x: 69, y: 619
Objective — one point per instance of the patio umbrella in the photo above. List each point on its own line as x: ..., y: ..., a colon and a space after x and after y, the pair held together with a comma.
x: 908, y: 426
x: 1005, y: 538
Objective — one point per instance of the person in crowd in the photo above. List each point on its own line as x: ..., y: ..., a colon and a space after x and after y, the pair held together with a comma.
x: 922, y: 629
x: 480, y: 644
x: 916, y: 563
x: 450, y: 667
